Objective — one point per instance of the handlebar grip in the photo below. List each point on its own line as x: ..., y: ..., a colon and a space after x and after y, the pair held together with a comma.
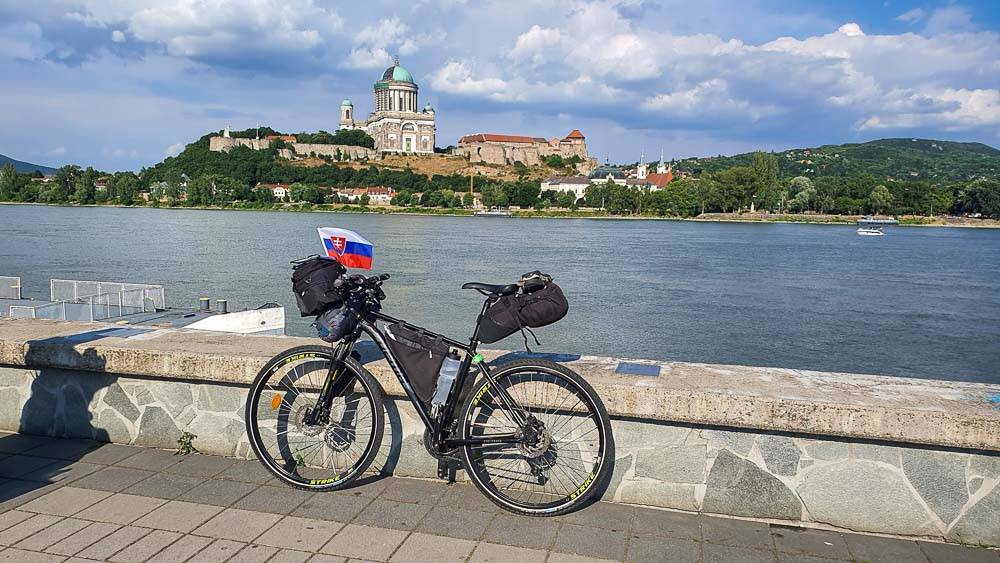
x: 383, y: 277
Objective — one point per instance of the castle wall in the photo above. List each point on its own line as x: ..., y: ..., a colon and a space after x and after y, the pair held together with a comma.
x: 531, y: 154
x: 226, y: 144
x: 346, y: 151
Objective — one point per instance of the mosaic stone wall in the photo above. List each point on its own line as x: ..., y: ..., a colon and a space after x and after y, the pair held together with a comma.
x: 872, y: 487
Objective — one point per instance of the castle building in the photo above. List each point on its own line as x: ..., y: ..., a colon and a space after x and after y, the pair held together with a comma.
x: 396, y: 123
x: 493, y: 148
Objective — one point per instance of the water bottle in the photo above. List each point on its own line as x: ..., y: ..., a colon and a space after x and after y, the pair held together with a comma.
x: 446, y: 378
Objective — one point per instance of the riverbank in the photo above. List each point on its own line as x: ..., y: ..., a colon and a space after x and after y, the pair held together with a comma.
x: 861, y: 452
x: 816, y: 219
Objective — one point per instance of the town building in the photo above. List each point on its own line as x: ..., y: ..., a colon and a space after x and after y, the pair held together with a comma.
x: 396, y: 123
x: 494, y: 148
x: 576, y: 184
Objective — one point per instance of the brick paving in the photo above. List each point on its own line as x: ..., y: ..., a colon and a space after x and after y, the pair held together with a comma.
x: 74, y: 500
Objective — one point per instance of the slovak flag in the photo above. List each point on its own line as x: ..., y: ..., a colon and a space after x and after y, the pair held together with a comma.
x: 348, y: 247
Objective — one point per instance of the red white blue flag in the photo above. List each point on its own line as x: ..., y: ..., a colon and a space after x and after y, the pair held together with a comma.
x: 347, y: 247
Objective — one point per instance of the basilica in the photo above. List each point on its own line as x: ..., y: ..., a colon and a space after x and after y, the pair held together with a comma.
x: 396, y: 123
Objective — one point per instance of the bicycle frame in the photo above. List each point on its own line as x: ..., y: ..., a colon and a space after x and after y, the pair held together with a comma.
x: 438, y: 428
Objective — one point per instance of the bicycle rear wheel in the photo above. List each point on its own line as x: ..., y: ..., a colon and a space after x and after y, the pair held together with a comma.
x: 322, y: 456
x: 565, y: 443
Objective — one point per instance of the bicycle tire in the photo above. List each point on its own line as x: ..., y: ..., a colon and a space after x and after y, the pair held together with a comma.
x: 604, y: 460
x: 372, y: 390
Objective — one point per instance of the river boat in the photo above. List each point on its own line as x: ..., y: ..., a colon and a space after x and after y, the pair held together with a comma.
x: 493, y: 212
x: 135, y: 305
x: 870, y: 221
x: 870, y: 231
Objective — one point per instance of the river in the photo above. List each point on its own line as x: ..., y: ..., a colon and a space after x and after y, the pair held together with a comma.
x: 921, y: 302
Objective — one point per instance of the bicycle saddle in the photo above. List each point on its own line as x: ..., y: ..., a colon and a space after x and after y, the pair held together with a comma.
x: 492, y: 288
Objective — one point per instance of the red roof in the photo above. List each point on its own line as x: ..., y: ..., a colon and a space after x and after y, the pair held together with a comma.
x: 497, y: 138
x: 286, y: 138
x: 575, y: 134
x: 660, y: 180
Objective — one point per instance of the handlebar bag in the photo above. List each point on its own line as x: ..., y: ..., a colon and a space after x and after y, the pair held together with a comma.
x: 313, y: 284
x: 337, y: 322
x: 420, y: 354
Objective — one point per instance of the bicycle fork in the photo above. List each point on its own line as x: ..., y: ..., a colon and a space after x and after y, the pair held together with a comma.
x: 337, y: 381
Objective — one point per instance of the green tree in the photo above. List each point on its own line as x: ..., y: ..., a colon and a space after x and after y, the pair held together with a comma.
x: 804, y: 200
x: 981, y: 196
x: 8, y: 182
x: 766, y: 190
x: 468, y: 199
x: 880, y: 199
x: 125, y: 187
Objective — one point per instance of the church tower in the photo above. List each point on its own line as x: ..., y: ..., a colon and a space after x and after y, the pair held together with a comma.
x: 643, y: 169
x: 661, y: 167
x: 346, y: 115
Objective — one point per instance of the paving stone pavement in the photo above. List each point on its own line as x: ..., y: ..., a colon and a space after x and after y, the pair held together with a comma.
x: 75, y: 500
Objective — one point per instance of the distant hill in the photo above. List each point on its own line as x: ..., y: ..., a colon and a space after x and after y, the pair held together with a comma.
x: 909, y: 159
x: 26, y: 166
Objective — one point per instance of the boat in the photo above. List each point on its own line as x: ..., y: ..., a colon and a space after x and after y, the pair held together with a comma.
x: 870, y: 231
x: 493, y: 212
x: 135, y: 305
x: 869, y: 221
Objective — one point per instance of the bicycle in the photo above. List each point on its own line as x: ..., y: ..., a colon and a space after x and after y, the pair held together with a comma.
x: 532, y: 435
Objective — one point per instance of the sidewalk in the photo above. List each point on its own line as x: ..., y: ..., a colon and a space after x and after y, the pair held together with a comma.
x: 74, y: 500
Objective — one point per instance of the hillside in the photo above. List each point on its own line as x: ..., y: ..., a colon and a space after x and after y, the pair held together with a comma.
x: 26, y: 167
x: 910, y: 159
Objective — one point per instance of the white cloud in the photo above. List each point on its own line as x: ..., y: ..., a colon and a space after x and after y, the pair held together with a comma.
x: 364, y: 58
x: 57, y: 151
x: 911, y: 16
x: 22, y: 41
x: 174, y: 149
x: 117, y: 36
x: 456, y: 77
x: 200, y: 28
x: 950, y: 19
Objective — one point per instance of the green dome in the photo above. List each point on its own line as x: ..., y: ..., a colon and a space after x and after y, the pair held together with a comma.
x: 346, y: 103
x: 428, y: 107
x: 397, y: 73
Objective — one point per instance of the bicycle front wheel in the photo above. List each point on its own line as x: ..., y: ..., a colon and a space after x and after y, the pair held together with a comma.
x: 321, y: 456
x: 564, y: 443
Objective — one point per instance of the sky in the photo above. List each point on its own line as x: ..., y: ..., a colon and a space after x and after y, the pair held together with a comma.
x: 121, y: 84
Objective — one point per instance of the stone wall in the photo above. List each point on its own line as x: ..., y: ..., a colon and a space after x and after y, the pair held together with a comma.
x: 349, y: 152
x: 868, y: 486
x: 225, y: 144
x: 530, y: 154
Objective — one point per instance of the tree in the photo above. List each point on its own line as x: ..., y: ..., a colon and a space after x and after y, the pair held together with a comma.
x: 8, y: 182
x: 880, y: 199
x: 799, y: 183
x: 125, y: 187
x: 805, y: 200
x: 468, y: 199
x: 766, y: 188
x: 981, y: 196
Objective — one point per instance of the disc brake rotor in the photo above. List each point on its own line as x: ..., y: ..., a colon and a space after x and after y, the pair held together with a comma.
x: 298, y: 419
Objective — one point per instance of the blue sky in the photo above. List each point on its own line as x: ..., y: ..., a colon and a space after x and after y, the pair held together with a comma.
x: 119, y: 84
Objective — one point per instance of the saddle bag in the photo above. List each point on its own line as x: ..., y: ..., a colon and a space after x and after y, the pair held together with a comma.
x: 419, y: 354
x: 542, y: 303
x: 313, y: 284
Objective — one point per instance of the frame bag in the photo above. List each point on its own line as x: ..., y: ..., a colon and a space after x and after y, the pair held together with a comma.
x: 313, y: 284
x: 419, y: 354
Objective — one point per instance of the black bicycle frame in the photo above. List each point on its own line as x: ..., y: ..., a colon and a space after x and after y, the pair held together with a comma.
x: 437, y: 428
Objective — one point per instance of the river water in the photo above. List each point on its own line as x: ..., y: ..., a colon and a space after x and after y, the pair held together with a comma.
x: 919, y: 302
